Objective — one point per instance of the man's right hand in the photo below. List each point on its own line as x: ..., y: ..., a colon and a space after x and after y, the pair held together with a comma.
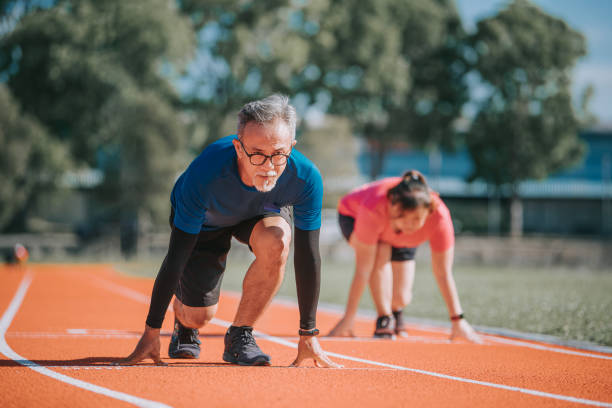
x: 148, y: 347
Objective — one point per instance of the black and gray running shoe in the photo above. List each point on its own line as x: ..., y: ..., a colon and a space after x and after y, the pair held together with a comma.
x: 384, y: 328
x: 184, y: 343
x: 400, y: 328
x: 240, y: 347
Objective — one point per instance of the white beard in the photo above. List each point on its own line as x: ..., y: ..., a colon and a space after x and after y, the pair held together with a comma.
x: 268, y: 184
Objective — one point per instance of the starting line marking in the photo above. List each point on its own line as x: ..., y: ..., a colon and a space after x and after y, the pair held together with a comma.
x: 5, y: 349
x: 132, y: 294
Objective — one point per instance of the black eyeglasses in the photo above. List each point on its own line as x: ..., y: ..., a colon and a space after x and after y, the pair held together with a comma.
x: 258, y: 159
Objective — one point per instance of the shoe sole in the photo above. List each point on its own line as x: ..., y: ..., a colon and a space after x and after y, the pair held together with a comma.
x: 402, y: 333
x: 229, y: 358
x: 183, y: 354
x: 384, y: 336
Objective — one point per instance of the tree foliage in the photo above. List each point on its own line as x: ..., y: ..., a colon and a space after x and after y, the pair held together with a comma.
x: 66, y: 62
x: 143, y: 150
x: 526, y: 128
x: 30, y: 162
x: 390, y: 66
x: 393, y: 67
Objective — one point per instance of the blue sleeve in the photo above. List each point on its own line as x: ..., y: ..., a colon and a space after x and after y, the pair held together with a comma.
x: 189, y: 210
x: 307, y: 211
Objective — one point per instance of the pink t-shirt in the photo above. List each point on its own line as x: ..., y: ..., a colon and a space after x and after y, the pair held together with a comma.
x: 368, y: 205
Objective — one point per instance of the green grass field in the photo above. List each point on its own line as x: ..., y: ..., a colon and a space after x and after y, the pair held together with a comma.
x: 566, y: 303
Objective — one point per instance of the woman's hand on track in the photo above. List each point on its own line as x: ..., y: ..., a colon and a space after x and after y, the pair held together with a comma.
x: 309, y: 347
x: 342, y: 329
x: 148, y: 347
x: 462, y: 329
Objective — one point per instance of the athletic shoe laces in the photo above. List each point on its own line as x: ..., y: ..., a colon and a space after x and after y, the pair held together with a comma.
x: 189, y: 336
x: 383, y: 322
x: 246, y: 337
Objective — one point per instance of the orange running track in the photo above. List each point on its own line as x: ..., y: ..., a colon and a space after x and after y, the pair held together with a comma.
x: 61, y: 326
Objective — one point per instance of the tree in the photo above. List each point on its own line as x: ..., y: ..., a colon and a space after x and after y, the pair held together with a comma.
x: 526, y: 127
x: 390, y: 66
x: 29, y: 161
x: 246, y: 50
x: 143, y: 136
x: 393, y: 67
x: 67, y: 60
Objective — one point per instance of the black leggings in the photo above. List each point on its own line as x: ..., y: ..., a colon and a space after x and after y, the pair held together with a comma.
x: 347, y: 225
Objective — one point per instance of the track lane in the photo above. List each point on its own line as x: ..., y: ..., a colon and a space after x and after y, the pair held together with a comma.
x: 360, y: 385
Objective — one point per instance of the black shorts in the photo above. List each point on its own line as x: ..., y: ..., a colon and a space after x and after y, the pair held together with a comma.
x: 347, y: 224
x: 200, y: 282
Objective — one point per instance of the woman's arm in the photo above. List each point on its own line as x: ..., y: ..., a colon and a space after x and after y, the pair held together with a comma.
x: 442, y: 266
x: 365, y: 256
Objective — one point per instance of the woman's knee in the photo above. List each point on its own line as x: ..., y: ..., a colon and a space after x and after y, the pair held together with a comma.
x: 402, y: 299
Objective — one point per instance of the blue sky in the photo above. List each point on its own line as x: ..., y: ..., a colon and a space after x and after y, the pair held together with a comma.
x: 591, y: 17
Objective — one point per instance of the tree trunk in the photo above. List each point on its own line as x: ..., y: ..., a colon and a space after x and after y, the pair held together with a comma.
x: 494, y: 212
x: 516, y: 215
x: 128, y: 231
x: 377, y: 159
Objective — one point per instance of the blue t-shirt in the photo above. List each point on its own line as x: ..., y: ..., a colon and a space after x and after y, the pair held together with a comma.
x: 210, y: 194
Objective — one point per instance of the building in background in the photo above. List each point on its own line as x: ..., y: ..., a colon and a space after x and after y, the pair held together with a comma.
x: 577, y: 201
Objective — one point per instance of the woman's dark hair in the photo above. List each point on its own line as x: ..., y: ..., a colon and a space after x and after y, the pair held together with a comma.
x: 411, y: 192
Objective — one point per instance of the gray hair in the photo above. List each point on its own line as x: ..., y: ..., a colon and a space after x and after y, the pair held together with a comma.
x: 267, y: 110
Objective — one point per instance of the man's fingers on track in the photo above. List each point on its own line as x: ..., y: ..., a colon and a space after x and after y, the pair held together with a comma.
x: 123, y: 362
x: 324, y: 361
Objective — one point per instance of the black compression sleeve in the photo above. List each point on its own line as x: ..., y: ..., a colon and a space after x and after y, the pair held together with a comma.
x: 180, y: 248
x: 307, y: 264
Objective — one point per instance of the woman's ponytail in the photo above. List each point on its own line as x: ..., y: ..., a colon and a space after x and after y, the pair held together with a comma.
x: 411, y: 192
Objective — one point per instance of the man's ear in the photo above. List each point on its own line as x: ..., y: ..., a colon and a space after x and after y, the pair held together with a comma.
x: 236, y: 144
x: 293, y: 143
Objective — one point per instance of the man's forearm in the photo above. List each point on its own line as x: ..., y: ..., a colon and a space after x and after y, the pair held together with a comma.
x: 180, y: 248
x: 307, y: 263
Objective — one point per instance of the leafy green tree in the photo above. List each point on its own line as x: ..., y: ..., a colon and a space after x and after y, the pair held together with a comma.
x: 246, y: 50
x: 142, y: 135
x: 392, y: 66
x: 526, y: 128
x: 30, y: 162
x: 67, y: 61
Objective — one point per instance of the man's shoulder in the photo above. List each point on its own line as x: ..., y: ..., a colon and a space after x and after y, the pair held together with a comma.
x: 304, y: 168
x: 216, y: 156
x: 223, y: 145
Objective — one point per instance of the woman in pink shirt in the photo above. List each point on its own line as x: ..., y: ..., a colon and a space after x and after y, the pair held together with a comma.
x: 384, y: 222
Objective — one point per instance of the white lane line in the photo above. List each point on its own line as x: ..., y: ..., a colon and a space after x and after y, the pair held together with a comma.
x: 284, y: 342
x: 35, y: 335
x: 122, y: 334
x: 5, y: 349
x: 336, y: 311
x: 545, y: 348
x: 450, y: 377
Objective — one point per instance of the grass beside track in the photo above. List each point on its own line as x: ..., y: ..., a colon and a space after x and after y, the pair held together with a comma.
x: 572, y: 304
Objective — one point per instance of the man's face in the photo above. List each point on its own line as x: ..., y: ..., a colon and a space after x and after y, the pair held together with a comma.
x: 268, y: 139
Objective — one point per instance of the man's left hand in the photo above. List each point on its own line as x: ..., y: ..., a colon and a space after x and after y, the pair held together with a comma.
x: 309, y: 347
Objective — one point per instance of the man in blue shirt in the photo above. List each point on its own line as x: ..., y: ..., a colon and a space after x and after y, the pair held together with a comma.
x: 241, y: 186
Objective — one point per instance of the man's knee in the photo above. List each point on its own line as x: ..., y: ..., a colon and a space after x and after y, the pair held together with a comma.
x: 272, y: 242
x: 194, y: 317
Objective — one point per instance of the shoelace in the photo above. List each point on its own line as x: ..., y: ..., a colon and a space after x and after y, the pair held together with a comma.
x: 189, y: 336
x: 246, y: 336
x: 384, y: 322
